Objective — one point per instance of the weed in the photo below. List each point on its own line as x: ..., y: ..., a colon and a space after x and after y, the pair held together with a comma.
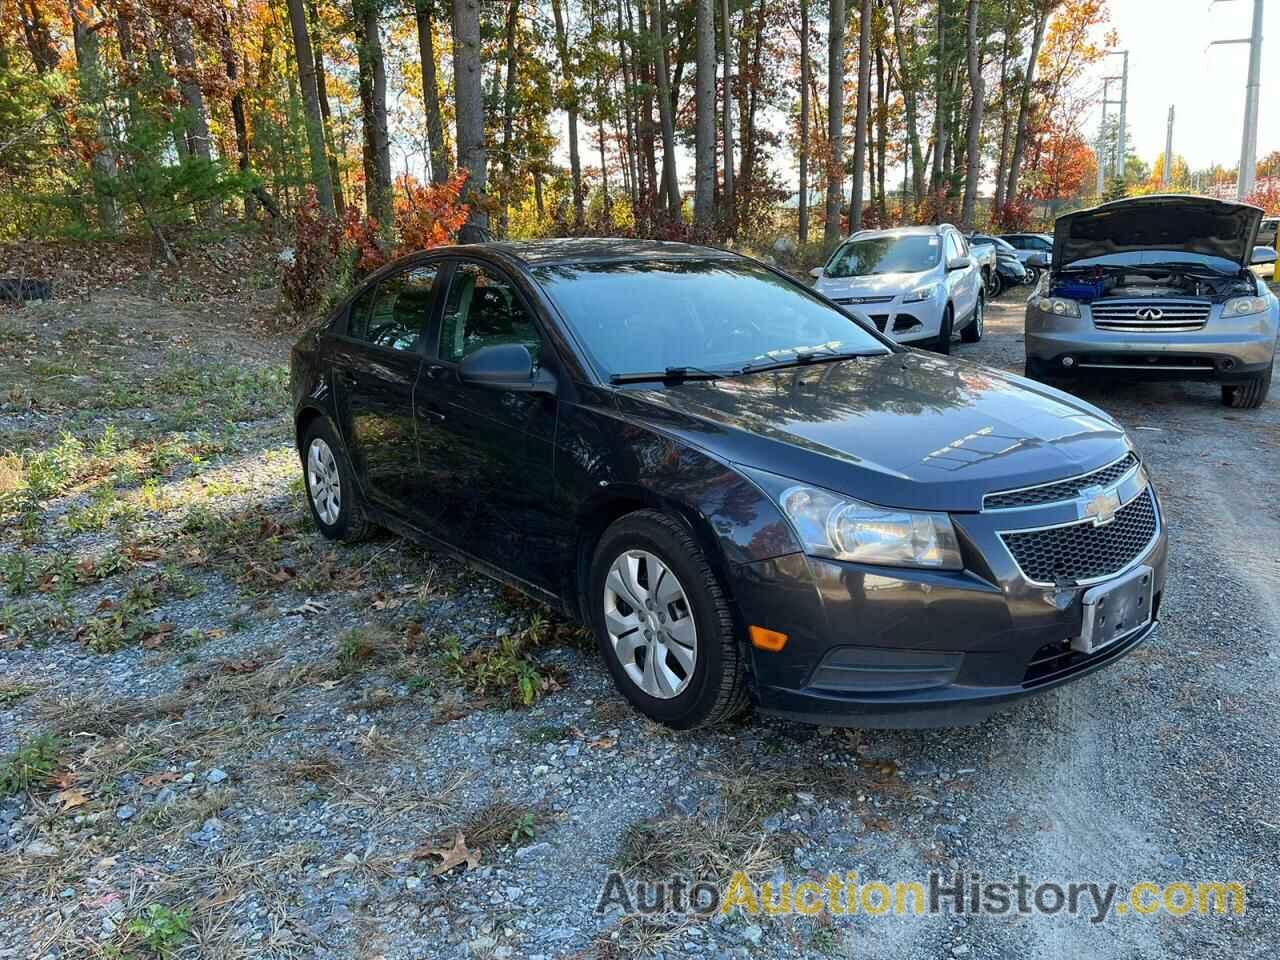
x: 162, y: 928
x: 14, y: 691
x: 33, y: 762
x: 505, y: 671
x: 501, y: 822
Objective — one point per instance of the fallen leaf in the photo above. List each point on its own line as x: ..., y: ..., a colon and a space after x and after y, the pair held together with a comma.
x: 450, y: 857
x: 71, y: 798
x: 604, y: 743
x: 156, y: 779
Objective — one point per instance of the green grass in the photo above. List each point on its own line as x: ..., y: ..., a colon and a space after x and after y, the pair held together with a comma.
x: 161, y: 928
x: 32, y: 763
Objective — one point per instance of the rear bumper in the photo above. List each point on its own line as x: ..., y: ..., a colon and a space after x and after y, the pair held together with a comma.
x: 883, y: 648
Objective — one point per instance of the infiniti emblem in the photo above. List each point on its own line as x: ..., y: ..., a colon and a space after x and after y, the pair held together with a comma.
x: 1150, y: 313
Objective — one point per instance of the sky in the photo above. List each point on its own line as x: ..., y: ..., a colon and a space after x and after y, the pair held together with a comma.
x: 1170, y: 63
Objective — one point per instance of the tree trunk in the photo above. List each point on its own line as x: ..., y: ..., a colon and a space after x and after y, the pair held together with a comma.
x: 835, y: 126
x: 192, y: 96
x: 93, y: 94
x: 320, y: 174
x: 704, y: 141
x: 1024, y: 104
x: 629, y: 88
x: 861, y: 119
x: 317, y: 46
x: 882, y: 136
x: 36, y: 33
x: 378, y: 195
x: 803, y: 232
x: 469, y: 104
x: 973, y: 148
x: 997, y: 200
x: 647, y: 131
x: 666, y: 113
x: 570, y: 99
x: 508, y: 109
x: 727, y: 114
x: 907, y: 80
x: 940, y: 112
x: 440, y: 167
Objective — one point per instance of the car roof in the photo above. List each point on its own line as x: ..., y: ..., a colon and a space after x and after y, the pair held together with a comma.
x: 566, y: 250
x: 931, y: 230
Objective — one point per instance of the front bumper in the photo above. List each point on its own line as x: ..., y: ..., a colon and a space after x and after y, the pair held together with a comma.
x: 1226, y: 350
x: 889, y: 647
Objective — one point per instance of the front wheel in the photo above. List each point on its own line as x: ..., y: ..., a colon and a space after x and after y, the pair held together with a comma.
x: 1248, y: 395
x: 943, y: 343
x: 335, y: 502
x: 664, y: 624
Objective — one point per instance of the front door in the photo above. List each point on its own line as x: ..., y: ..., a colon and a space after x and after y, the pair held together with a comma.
x: 375, y: 366
x: 487, y: 455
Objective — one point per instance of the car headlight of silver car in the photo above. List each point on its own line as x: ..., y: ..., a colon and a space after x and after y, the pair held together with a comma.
x: 830, y: 525
x: 1059, y: 307
x: 921, y: 294
x: 1245, y: 306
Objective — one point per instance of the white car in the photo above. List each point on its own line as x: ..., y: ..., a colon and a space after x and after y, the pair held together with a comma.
x: 919, y: 285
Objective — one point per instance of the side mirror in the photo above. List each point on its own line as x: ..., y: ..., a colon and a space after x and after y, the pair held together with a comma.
x: 505, y: 366
x: 816, y: 273
x: 1263, y: 255
x: 958, y: 263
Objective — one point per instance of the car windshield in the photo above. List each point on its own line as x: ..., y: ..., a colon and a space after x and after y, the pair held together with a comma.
x: 913, y: 253
x: 712, y: 314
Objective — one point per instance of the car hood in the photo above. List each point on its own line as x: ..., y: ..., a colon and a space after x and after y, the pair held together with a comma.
x: 882, y: 285
x: 1199, y: 225
x: 906, y: 429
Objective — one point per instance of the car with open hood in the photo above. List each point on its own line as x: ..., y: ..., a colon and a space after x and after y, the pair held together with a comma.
x: 749, y: 494
x: 1158, y: 287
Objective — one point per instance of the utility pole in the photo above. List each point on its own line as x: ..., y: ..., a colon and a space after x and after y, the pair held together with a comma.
x: 1168, y: 153
x: 1117, y: 166
x: 1249, y: 145
x: 1124, y: 107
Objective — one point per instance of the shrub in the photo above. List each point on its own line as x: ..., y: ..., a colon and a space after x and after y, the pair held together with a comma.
x: 307, y: 280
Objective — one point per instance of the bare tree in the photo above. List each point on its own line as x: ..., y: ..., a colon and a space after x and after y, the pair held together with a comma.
x: 835, y: 126
x: 727, y: 109
x: 570, y: 99
x: 469, y: 105
x: 425, y: 16
x: 704, y: 97
x: 862, y: 116
x: 907, y: 80
x: 310, y: 105
x: 1044, y: 8
x: 804, y: 121
x: 378, y: 199
x: 666, y: 113
x: 973, y: 147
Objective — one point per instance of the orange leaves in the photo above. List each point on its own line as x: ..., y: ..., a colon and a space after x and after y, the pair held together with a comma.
x: 429, y: 215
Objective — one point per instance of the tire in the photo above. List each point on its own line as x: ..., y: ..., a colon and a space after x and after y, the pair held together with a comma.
x: 997, y: 286
x: 328, y: 476
x: 1249, y: 395
x: 943, y: 343
x: 973, y: 332
x: 653, y: 547
x: 1033, y: 277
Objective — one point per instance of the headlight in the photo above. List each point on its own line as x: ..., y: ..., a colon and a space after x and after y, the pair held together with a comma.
x: 924, y: 293
x: 1245, y: 306
x: 1059, y: 307
x: 833, y: 526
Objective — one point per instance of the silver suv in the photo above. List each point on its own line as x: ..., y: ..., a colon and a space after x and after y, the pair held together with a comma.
x: 1158, y: 288
x: 919, y: 285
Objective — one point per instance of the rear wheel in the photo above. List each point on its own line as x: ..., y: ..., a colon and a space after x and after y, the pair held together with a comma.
x: 664, y: 624
x: 331, y: 490
x: 973, y: 332
x: 943, y: 343
x: 1248, y: 395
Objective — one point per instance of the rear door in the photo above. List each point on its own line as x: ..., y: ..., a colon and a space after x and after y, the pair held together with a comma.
x: 376, y: 363
x: 487, y: 455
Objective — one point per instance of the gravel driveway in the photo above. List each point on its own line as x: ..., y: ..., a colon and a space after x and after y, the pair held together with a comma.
x: 221, y: 737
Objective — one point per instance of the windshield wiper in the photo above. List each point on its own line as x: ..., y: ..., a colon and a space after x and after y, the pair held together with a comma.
x: 670, y: 374
x: 804, y: 358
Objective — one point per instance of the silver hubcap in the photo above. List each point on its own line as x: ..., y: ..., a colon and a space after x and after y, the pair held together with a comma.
x: 324, y: 481
x: 650, y: 624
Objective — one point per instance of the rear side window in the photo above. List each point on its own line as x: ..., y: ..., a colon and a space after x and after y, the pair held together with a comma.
x: 394, y: 314
x: 484, y: 309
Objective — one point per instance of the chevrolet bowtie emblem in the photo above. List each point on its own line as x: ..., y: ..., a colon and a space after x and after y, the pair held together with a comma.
x: 1099, y: 505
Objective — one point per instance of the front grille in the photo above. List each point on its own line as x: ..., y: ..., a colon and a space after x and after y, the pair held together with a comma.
x: 1062, y: 489
x: 1081, y: 551
x: 1151, y: 315
x: 855, y: 301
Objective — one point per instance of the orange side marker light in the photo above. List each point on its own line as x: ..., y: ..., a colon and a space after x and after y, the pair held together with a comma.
x: 770, y: 640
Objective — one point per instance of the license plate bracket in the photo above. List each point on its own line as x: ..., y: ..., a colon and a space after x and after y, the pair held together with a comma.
x: 1115, y: 610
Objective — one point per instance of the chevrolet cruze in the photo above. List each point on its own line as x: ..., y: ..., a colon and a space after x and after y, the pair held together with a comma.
x: 750, y: 495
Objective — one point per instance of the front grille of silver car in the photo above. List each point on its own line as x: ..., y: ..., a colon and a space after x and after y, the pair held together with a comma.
x: 858, y: 301
x: 1060, y: 490
x: 1082, y: 552
x: 1151, y: 315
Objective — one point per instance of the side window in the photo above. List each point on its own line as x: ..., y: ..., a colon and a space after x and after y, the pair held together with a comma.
x: 1015, y: 242
x: 1042, y: 245
x: 483, y: 309
x: 953, y: 245
x: 394, y: 314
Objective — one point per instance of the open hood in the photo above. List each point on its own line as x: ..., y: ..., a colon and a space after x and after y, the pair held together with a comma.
x: 1199, y: 225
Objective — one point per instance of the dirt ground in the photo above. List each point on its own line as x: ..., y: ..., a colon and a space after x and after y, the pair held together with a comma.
x: 221, y: 736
